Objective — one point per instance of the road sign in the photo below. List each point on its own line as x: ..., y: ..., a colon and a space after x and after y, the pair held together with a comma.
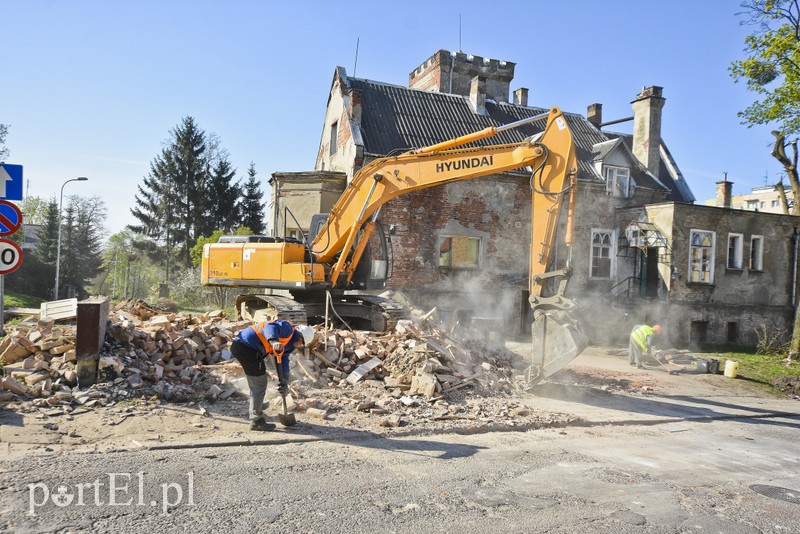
x: 10, y: 181
x: 10, y: 218
x: 10, y: 256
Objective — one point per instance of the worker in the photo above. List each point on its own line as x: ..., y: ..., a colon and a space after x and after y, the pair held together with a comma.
x: 254, y: 347
x: 641, y: 342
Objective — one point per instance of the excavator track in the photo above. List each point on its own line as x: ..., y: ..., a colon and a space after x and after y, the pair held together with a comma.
x: 270, y: 308
x: 364, y: 312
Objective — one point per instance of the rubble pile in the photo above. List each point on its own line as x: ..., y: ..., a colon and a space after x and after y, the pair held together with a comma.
x: 178, y: 358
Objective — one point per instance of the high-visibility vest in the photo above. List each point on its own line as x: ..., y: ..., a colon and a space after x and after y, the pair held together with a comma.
x: 259, y: 328
x: 640, y: 335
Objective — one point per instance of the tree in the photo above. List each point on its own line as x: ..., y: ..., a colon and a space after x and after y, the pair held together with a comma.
x: 82, y: 228
x: 4, y: 151
x: 190, y: 186
x: 223, y: 197
x: 772, y: 71
x: 251, y: 207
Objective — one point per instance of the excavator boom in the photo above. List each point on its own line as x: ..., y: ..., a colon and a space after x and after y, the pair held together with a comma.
x: 331, y: 260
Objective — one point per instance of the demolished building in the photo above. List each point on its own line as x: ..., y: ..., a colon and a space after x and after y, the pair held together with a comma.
x: 463, y: 247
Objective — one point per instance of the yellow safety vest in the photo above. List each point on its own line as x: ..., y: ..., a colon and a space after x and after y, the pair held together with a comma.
x: 640, y: 335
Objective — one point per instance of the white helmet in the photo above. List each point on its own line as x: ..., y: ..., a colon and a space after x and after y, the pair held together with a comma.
x: 307, y: 332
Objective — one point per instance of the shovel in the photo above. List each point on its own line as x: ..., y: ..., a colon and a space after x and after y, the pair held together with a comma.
x: 286, y: 418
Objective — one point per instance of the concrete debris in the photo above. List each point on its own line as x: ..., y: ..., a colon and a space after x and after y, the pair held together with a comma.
x: 159, y: 356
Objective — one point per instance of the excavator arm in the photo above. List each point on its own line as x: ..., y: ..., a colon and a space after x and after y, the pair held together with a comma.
x: 552, y: 157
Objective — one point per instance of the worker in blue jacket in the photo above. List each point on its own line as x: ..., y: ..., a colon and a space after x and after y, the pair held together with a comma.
x: 252, y: 346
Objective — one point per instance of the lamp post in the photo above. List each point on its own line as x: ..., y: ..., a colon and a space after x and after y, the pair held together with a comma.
x: 58, y: 246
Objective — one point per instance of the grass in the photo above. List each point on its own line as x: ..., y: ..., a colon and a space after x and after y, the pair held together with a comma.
x: 18, y: 300
x: 760, y: 368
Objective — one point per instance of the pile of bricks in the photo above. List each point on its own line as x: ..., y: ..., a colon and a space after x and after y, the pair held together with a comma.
x: 179, y: 358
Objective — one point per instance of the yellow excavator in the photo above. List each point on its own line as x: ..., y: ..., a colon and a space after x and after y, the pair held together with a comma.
x: 346, y: 249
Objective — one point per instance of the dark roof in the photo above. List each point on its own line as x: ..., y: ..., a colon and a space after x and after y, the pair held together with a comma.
x: 396, y: 118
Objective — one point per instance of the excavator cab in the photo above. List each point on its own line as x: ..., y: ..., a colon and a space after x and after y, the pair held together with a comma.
x: 372, y: 270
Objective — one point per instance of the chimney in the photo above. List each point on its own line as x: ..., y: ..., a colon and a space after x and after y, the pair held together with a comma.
x: 521, y: 96
x: 477, y: 95
x: 724, y: 192
x: 647, y: 127
x: 594, y: 114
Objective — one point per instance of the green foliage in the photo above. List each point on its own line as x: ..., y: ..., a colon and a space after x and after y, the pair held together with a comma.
x: 251, y: 206
x: 4, y: 151
x: 190, y: 190
x: 772, y: 66
x: 35, y: 209
x: 762, y: 369
x: 127, y: 270
x: 20, y: 300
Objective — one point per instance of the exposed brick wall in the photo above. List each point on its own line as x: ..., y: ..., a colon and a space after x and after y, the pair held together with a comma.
x: 497, y: 209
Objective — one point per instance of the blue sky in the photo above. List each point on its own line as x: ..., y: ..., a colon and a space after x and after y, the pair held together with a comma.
x: 92, y: 88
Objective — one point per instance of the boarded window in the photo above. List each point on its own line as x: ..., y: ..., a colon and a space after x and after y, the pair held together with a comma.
x: 701, y: 257
x: 757, y: 253
x: 459, y: 252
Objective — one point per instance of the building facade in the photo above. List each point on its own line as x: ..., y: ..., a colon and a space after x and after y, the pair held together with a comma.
x: 463, y: 247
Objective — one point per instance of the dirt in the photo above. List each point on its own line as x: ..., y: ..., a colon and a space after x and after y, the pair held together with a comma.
x: 130, y: 422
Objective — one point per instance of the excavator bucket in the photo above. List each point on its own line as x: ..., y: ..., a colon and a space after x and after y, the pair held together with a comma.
x: 557, y: 340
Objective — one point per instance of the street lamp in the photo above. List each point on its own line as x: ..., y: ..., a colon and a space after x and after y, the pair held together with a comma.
x: 58, y: 246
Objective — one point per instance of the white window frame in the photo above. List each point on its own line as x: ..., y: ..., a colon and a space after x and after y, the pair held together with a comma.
x: 735, y: 262
x: 711, y: 261
x: 759, y: 259
x: 613, y: 175
x: 612, y: 234
x: 752, y: 205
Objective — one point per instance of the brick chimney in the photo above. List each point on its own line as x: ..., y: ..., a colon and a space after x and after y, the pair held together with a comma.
x: 594, y: 114
x: 452, y: 72
x: 647, y: 127
x: 521, y: 96
x: 477, y: 95
x: 724, y: 192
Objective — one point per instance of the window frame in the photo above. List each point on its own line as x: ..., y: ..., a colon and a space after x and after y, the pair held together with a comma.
x: 612, y: 181
x: 760, y: 267
x: 334, y: 140
x: 449, y: 267
x: 612, y: 233
x: 711, y: 260
x: 738, y: 253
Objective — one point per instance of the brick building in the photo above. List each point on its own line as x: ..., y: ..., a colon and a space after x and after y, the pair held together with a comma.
x: 464, y: 246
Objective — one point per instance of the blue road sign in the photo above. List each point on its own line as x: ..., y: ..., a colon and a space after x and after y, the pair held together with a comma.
x: 10, y: 182
x: 10, y: 218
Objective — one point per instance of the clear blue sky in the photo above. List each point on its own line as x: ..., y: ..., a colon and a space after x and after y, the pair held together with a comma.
x: 92, y: 88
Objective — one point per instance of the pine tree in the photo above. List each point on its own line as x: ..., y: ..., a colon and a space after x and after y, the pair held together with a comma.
x: 251, y: 207
x: 191, y: 183
x: 223, y: 195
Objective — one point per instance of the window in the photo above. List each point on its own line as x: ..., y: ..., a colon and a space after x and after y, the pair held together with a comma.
x: 459, y: 252
x: 701, y: 257
x: 752, y: 205
x: 756, y: 253
x: 735, y: 245
x: 774, y: 204
x: 334, y: 137
x: 763, y: 204
x: 601, y: 260
x: 618, y: 181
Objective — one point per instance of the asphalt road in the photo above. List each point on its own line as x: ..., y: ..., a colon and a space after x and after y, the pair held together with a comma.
x: 670, y: 477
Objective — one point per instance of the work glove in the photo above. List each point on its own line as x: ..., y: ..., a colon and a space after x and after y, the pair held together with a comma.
x: 283, y: 389
x: 277, y: 347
